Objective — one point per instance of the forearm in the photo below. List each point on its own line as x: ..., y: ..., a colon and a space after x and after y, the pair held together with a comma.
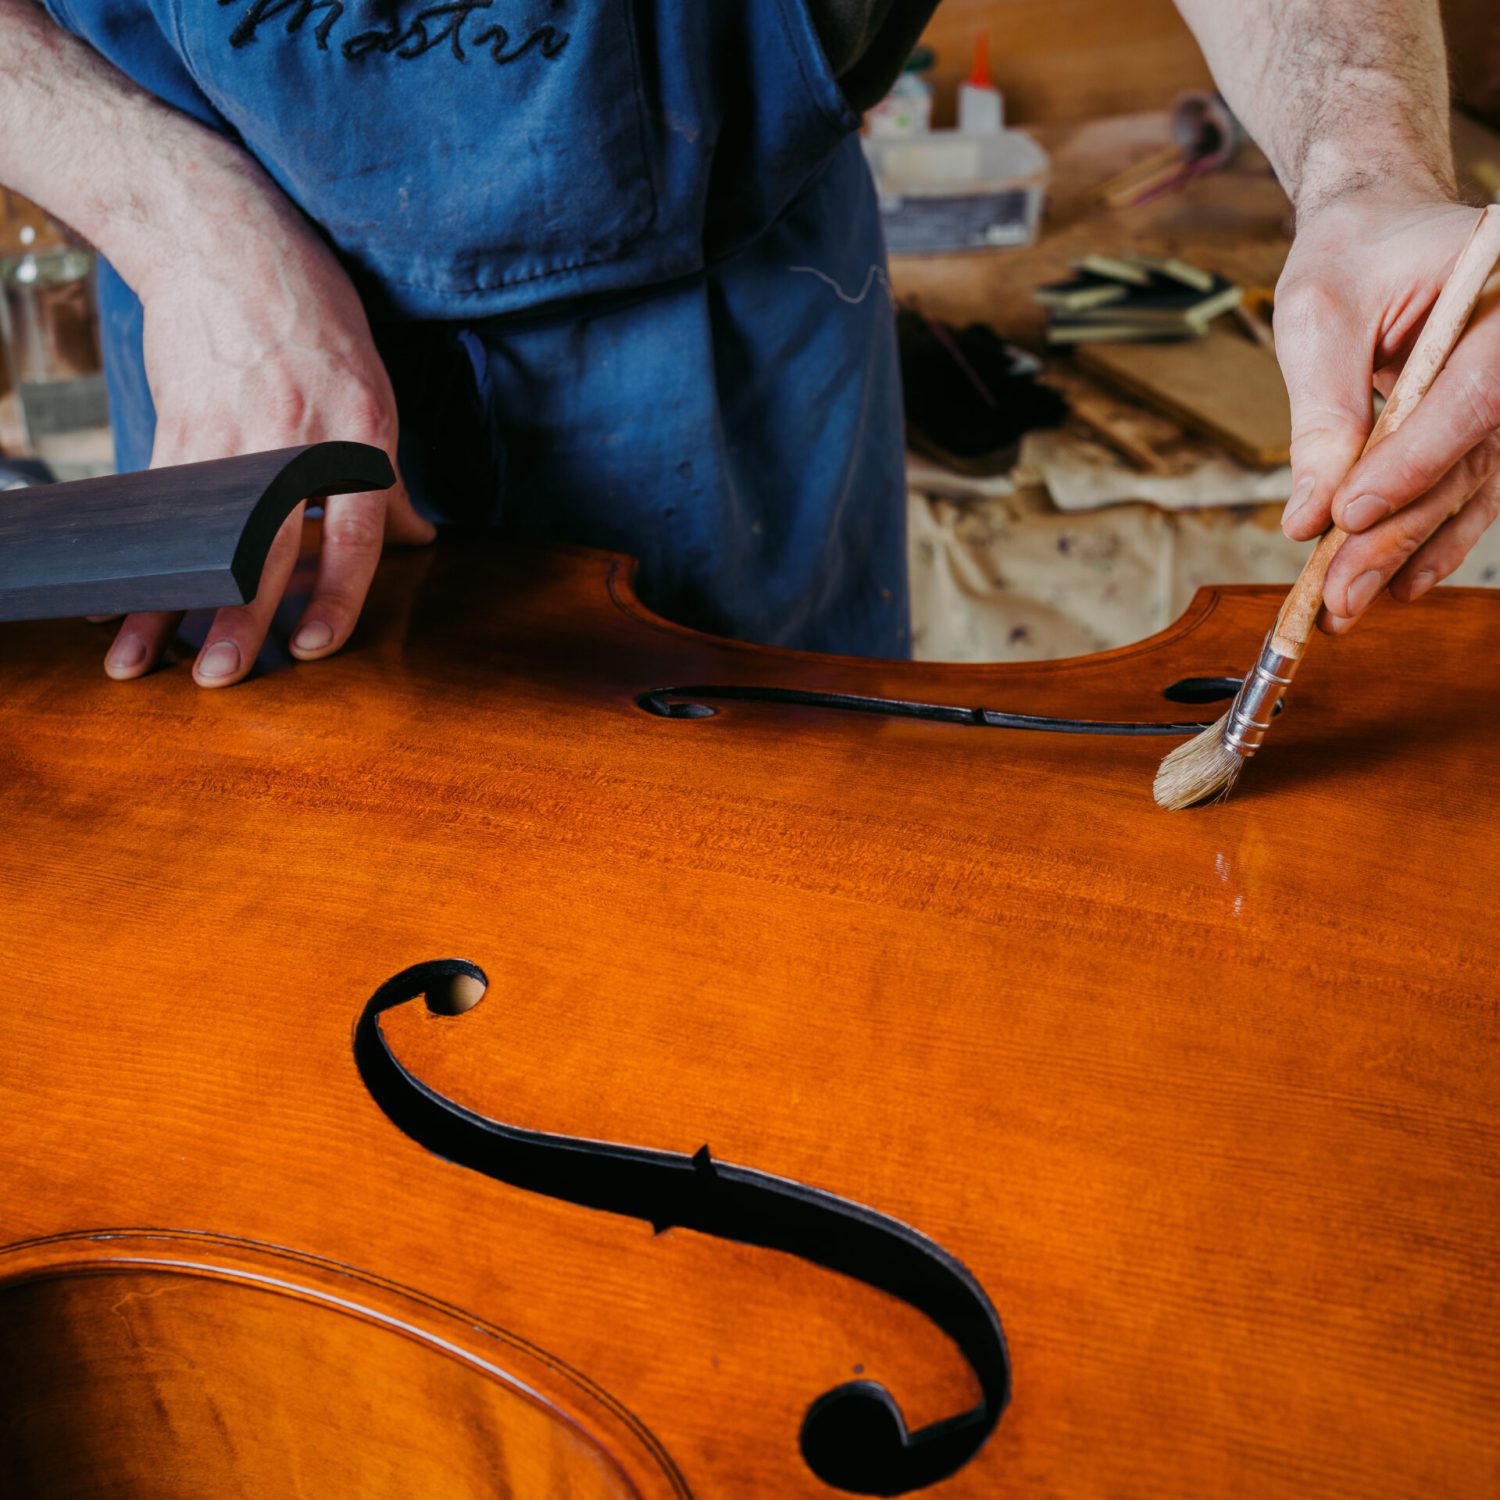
x: 143, y: 182
x: 1341, y: 95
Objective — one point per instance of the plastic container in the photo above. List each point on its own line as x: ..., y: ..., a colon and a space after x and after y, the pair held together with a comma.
x: 949, y: 190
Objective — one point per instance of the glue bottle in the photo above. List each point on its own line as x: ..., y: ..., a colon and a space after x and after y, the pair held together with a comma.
x: 980, y: 108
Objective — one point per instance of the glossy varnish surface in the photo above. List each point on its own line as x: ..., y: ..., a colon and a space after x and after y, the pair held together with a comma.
x: 1206, y: 1101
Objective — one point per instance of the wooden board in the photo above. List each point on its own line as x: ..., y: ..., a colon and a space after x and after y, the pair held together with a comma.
x: 1222, y: 386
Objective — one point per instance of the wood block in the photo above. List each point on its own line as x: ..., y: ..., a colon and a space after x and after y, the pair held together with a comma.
x: 1222, y: 386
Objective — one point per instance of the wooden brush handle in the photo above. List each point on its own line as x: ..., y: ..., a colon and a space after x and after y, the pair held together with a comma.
x: 1445, y: 325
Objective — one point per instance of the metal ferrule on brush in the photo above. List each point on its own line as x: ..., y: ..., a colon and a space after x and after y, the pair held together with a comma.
x: 1255, y: 703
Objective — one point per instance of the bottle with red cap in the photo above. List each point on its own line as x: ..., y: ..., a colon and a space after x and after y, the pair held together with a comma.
x: 981, y: 110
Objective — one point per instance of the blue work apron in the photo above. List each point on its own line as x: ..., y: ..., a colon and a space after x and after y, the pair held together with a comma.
x: 622, y: 259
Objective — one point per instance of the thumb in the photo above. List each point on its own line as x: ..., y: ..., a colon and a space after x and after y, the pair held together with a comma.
x: 404, y: 527
x: 1327, y: 360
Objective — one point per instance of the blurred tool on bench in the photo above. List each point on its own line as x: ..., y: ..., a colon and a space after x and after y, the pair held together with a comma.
x: 1205, y: 136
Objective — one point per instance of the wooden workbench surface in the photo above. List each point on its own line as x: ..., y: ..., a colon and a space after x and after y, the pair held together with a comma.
x: 1235, y: 221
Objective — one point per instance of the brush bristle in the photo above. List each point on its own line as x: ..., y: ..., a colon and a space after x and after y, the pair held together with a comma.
x: 1203, y: 770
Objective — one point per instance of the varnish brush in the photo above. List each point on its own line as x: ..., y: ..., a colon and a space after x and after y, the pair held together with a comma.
x: 1207, y: 766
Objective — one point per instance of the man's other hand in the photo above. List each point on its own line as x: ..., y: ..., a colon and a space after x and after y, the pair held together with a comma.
x: 1358, y: 285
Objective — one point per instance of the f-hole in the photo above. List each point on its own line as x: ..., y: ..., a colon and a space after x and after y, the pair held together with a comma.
x: 1202, y: 690
x: 1206, y: 690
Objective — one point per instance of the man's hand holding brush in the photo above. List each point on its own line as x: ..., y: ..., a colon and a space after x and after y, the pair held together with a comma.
x: 1209, y: 764
x: 1349, y: 100
x: 1358, y: 287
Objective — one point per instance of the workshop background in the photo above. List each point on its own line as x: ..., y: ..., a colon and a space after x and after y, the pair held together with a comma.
x: 1082, y: 276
